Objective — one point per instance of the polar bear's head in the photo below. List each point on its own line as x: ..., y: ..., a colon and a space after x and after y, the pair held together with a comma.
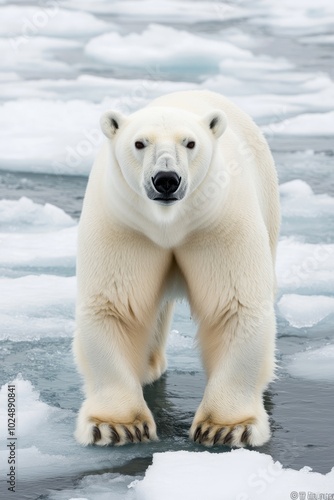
x: 163, y: 153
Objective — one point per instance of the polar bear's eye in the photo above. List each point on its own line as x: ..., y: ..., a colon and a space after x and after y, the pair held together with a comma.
x: 139, y: 145
x: 191, y: 145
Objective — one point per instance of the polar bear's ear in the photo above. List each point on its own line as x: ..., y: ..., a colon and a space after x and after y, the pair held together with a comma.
x: 110, y: 122
x: 216, y: 121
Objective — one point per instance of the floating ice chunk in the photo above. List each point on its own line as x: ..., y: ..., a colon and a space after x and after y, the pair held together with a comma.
x: 184, y: 50
x: 295, y: 19
x: 264, y: 108
x: 29, y: 328
x: 317, y: 40
x: 128, y: 95
x: 305, y: 310
x: 41, y: 249
x: 305, y: 266
x: 315, y: 124
x: 31, y: 55
x: 177, y: 340
x: 250, y: 68
x: 315, y: 364
x: 52, y: 136
x: 299, y: 200
x: 272, y: 82
x: 38, y: 451
x: 297, y: 24
x: 34, y: 307
x: 37, y: 294
x: 239, y: 474
x: 31, y: 412
x: 26, y: 21
x: 9, y: 77
x: 24, y: 215
x: 162, y: 11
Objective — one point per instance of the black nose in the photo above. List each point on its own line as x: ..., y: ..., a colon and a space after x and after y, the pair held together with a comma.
x: 166, y: 182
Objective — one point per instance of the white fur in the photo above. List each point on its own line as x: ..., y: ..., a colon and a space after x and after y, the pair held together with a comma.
x: 216, y: 245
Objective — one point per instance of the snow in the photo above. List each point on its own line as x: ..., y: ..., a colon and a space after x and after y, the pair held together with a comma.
x: 240, y: 474
x: 305, y: 310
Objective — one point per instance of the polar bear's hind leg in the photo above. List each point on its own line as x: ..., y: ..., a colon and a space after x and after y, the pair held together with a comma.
x: 157, y: 363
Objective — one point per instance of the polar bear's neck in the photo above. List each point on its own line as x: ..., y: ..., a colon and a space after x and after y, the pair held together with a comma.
x: 166, y: 226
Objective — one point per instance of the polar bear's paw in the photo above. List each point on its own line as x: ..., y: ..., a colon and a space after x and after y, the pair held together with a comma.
x: 251, y: 432
x: 103, y: 432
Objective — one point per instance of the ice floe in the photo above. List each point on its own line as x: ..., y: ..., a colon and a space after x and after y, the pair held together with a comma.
x: 305, y: 267
x: 163, y: 11
x: 30, y: 21
x: 35, y: 55
x: 313, y: 364
x: 25, y: 215
x: 240, y: 474
x: 39, y: 250
x: 184, y: 50
x: 299, y: 200
x: 308, y: 124
x: 305, y: 310
x: 37, y: 306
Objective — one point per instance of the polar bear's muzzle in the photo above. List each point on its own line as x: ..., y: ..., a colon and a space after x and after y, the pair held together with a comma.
x: 165, y: 187
x: 166, y: 184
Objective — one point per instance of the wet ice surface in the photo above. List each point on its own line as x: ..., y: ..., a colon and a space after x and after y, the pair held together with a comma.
x: 275, y: 61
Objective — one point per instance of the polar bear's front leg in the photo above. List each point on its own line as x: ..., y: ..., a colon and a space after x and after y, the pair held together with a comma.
x: 114, y: 411
x: 239, y: 360
x: 120, y: 283
x: 230, y: 283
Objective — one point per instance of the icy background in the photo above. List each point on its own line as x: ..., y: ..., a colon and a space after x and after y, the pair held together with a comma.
x: 63, y: 62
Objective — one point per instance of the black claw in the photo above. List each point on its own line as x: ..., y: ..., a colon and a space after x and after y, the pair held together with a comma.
x: 96, y: 434
x: 245, y: 435
x: 146, y: 431
x: 204, y: 436
x: 138, y: 433
x: 218, y: 435
x: 128, y: 434
x: 228, y: 437
x: 114, y: 435
x: 197, y: 433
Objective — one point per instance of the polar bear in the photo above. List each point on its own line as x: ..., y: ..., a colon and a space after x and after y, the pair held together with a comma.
x: 182, y: 200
